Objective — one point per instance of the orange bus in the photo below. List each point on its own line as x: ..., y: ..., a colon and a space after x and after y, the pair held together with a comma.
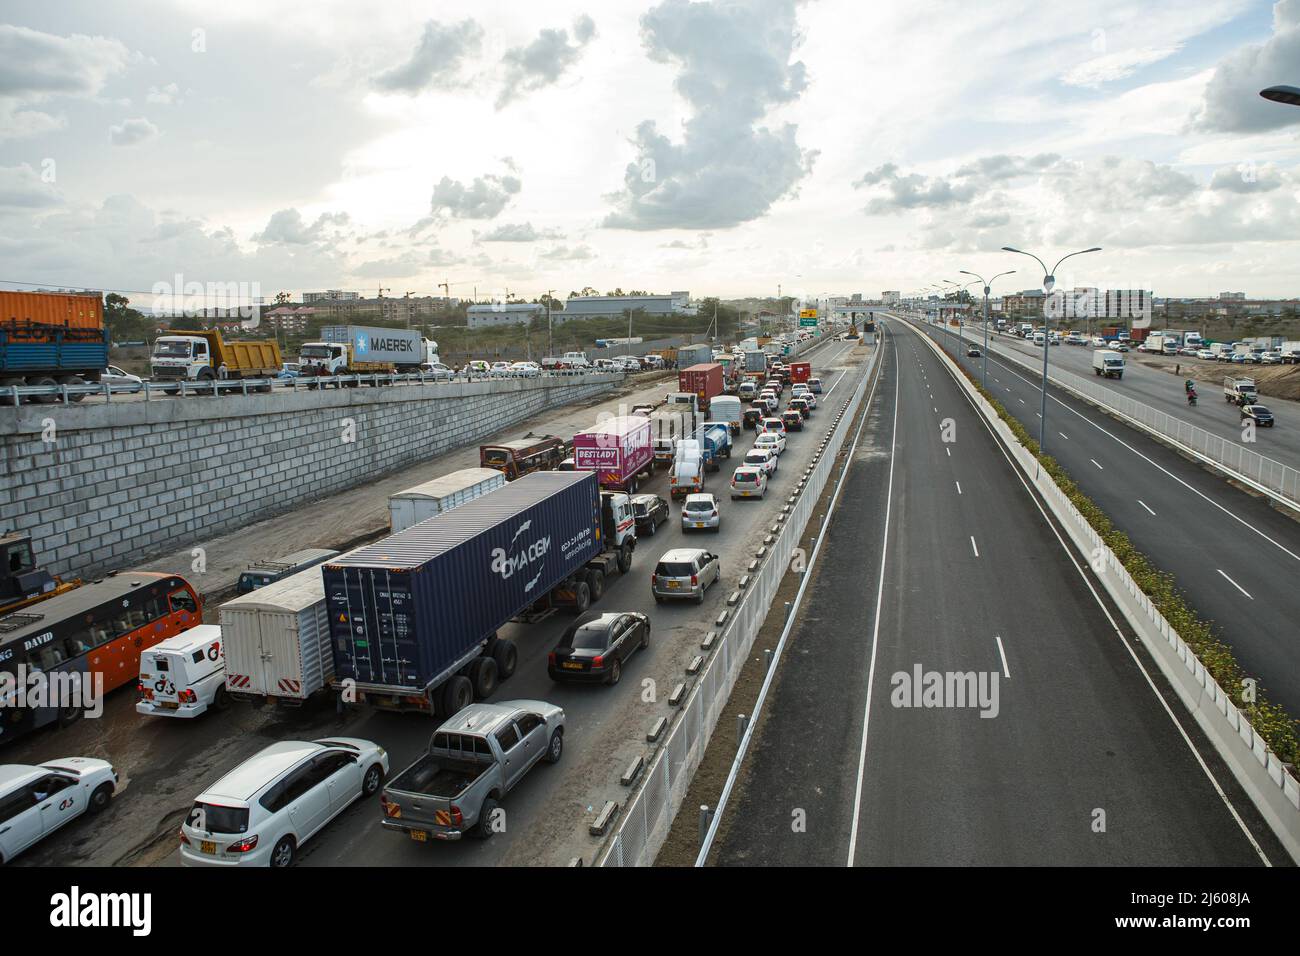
x: 99, y: 629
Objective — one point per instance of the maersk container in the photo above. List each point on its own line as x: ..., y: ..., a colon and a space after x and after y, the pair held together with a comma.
x: 407, y: 612
x: 377, y: 345
x: 278, y: 641
x: 440, y: 495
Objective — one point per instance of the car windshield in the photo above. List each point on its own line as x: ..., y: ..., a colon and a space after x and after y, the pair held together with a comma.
x: 756, y: 457
x: 746, y: 477
x: 214, y: 818
x: 640, y: 508
x: 592, y: 637
x: 171, y: 349
x: 674, y: 569
x: 315, y: 351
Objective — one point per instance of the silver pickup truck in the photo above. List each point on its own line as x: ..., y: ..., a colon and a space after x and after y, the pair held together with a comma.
x: 474, y: 759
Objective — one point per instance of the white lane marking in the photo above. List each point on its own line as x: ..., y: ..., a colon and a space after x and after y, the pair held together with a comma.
x: 1022, y: 401
x: 1003, y: 654
x: 1234, y: 584
x: 1062, y: 434
x: 1094, y: 461
x: 1069, y: 553
x: 936, y: 410
x: 949, y: 451
x: 875, y: 632
x: 974, y: 547
x: 1169, y: 474
x: 958, y: 487
x: 1147, y: 506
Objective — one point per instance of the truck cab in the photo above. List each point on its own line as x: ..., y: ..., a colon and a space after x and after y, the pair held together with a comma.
x: 322, y: 358
x: 181, y: 357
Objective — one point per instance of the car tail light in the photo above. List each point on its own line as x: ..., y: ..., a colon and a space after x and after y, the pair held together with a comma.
x: 598, y: 660
x: 550, y: 658
x: 245, y: 845
x: 184, y: 839
x: 188, y: 696
x: 694, y: 580
x: 653, y: 578
x: 456, y: 816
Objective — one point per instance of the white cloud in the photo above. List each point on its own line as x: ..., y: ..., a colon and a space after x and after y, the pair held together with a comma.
x: 132, y: 132
x: 436, y: 60
x: 1232, y: 102
x: 484, y: 198
x: 542, y: 62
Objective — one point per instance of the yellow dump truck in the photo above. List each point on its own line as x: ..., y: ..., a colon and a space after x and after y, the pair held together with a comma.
x: 204, y: 356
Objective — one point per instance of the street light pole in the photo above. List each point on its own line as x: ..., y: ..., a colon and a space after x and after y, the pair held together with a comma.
x: 984, y: 372
x: 1049, y: 283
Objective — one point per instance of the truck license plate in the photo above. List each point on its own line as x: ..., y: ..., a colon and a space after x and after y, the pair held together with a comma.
x: 419, y: 836
x: 208, y: 846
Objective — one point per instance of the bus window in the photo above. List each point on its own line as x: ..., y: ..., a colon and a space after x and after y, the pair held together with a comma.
x: 99, y: 634
x: 50, y: 656
x: 182, y: 601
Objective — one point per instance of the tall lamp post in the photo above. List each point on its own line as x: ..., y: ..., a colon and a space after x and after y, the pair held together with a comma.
x: 984, y: 371
x: 1049, y: 283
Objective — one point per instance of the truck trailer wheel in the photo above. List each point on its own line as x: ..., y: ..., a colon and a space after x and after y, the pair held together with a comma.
x: 581, y: 597
x: 596, y: 583
x: 506, y: 655
x: 42, y: 399
x: 625, y: 558
x: 483, y: 675
x: 457, y: 694
x: 74, y: 380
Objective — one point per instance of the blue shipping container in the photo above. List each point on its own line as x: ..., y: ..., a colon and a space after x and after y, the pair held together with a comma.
x: 59, y: 356
x: 407, y: 611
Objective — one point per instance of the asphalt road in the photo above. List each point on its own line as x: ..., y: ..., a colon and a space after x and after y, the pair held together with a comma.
x: 166, y: 763
x: 1236, y: 558
x: 938, y: 557
x: 1164, y: 391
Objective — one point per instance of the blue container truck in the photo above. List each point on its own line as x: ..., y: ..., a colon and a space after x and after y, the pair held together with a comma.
x: 49, y: 339
x: 715, y: 440
x: 414, y: 617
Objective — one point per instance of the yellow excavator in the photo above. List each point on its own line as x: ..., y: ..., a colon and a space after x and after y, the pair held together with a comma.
x: 22, y: 583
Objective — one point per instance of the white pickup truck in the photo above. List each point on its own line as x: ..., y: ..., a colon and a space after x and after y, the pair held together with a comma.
x: 1239, y: 391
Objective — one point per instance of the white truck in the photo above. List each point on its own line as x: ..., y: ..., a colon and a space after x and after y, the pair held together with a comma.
x: 185, y: 675
x: 1107, y: 363
x: 726, y: 408
x: 1239, y: 391
x: 363, y: 350
x: 440, y: 495
x: 687, y: 474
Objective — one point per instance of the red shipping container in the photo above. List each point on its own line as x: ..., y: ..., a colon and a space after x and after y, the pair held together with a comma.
x: 800, y: 371
x: 705, y: 380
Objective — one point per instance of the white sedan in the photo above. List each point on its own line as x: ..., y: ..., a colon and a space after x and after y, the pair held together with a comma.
x: 36, y: 801
x: 763, y: 458
x: 771, y: 441
x: 121, y: 380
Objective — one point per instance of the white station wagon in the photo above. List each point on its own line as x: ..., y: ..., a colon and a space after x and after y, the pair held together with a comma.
x: 36, y: 801
x: 265, y: 809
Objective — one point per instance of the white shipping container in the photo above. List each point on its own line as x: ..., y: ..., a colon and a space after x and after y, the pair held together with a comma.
x: 440, y: 495
x: 278, y: 640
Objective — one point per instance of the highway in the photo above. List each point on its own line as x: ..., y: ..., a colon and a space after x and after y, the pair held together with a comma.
x: 1235, y: 558
x: 165, y: 764
x: 1164, y: 390
x: 939, y: 559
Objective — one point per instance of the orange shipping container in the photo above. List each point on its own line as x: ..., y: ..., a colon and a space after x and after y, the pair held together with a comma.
x: 52, y: 308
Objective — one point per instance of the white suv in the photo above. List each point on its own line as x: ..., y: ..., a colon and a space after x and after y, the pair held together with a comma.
x: 36, y: 801
x: 265, y: 809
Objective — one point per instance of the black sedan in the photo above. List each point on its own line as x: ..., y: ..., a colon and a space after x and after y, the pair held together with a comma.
x: 1260, y: 415
x: 596, y: 646
x: 651, y: 511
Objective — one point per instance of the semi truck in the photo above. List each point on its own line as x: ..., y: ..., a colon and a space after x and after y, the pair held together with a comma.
x: 1107, y: 363
x: 203, y: 355
x: 715, y: 444
x: 704, y: 380
x: 727, y: 408
x: 688, y: 355
x: 800, y: 371
x: 666, y: 427
x: 620, y: 450
x: 755, y: 361
x: 404, y: 636
x: 432, y: 498
x: 687, y: 474
x: 51, y: 339
x: 363, y: 350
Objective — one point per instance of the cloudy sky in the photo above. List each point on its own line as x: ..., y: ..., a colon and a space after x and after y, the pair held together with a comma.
x: 724, y: 147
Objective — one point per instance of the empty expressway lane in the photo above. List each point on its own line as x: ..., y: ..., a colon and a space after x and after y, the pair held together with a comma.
x: 1236, y: 558
x: 938, y: 559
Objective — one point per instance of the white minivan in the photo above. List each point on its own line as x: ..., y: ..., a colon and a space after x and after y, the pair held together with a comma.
x: 263, y: 811
x: 185, y: 675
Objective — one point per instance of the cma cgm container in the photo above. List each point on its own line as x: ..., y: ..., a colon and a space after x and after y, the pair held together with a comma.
x: 705, y: 380
x: 620, y: 451
x: 409, y: 612
x: 440, y: 495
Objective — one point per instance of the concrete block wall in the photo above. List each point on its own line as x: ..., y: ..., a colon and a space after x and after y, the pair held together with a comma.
x: 122, y: 482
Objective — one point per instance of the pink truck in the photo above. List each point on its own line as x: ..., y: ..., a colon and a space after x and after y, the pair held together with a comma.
x: 620, y: 450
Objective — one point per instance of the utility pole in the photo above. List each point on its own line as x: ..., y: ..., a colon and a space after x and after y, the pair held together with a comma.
x: 550, y: 345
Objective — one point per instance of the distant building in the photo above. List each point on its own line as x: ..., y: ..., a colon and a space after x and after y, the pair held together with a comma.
x: 495, y: 314
x: 607, y: 306
x: 338, y: 294
x: 349, y: 308
x: 1232, y: 296
x: 290, y: 318
x: 890, y: 298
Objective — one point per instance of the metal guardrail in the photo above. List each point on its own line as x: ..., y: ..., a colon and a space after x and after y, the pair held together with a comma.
x: 71, y: 394
x: 645, y: 821
x: 1259, y: 471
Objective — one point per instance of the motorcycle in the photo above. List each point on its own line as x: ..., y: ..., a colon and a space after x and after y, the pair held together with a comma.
x: 1191, y: 398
